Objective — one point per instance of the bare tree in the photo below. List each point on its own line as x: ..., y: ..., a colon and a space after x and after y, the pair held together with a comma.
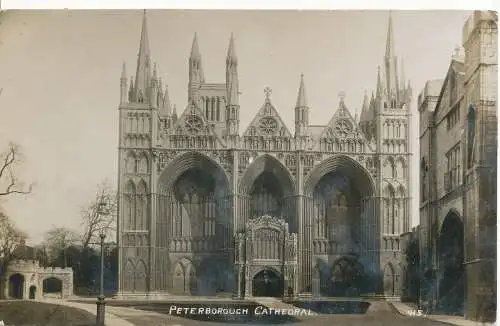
x: 9, y: 183
x: 58, y: 239
x: 10, y: 238
x: 99, y: 216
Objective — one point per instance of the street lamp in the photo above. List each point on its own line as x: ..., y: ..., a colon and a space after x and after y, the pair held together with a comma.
x: 101, y: 299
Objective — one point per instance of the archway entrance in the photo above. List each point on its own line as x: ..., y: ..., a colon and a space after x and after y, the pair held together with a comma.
x: 195, y: 212
x: 32, y: 292
x: 52, y: 286
x: 451, y: 269
x: 269, y: 189
x: 16, y: 286
x: 267, y: 283
x: 347, y: 277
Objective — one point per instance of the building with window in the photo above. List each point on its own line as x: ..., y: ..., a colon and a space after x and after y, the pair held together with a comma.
x: 458, y: 146
x: 205, y: 209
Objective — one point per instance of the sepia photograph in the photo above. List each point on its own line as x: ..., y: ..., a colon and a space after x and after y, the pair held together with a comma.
x: 265, y: 167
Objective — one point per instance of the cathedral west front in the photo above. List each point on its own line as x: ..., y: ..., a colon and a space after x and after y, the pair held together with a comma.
x: 207, y: 207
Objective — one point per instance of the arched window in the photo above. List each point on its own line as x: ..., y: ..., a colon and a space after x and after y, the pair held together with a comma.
x: 423, y: 180
x: 471, y: 132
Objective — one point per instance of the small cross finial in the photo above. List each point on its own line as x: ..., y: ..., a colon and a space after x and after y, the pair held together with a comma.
x: 268, y: 92
x: 342, y: 96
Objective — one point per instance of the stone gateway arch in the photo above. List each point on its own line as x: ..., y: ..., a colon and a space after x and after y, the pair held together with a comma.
x: 205, y: 210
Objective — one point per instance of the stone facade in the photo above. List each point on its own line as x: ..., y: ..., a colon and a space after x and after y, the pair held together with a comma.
x: 26, y: 279
x: 193, y: 191
x: 458, y: 148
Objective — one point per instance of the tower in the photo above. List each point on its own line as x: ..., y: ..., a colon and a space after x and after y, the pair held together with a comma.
x: 480, y: 41
x: 391, y: 114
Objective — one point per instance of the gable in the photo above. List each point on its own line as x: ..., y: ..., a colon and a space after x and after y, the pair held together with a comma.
x: 342, y: 132
x: 193, y: 122
x: 267, y: 123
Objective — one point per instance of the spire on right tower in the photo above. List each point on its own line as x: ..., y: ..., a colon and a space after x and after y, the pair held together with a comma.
x: 391, y: 68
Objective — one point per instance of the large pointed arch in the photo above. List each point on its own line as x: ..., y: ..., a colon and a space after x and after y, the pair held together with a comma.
x: 267, y: 163
x: 194, y: 160
x: 345, y: 164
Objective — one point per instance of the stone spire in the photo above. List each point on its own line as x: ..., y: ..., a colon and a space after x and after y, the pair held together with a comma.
x: 301, y: 96
x: 196, y: 75
x: 231, y: 52
x: 365, y: 108
x: 380, y: 87
x: 123, y: 85
x: 390, y: 60
x: 167, y: 107
x: 143, y: 73
x: 232, y: 74
x: 195, y: 51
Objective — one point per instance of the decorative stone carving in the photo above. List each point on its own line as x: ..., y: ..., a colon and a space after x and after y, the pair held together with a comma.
x: 193, y: 124
x: 268, y: 125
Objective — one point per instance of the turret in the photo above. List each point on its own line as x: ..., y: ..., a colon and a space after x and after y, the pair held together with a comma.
x: 196, y: 75
x: 301, y: 110
x: 143, y: 73
x: 123, y: 86
x: 233, y: 104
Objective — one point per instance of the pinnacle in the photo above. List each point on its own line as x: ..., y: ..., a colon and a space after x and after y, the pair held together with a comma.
x: 301, y: 97
x: 195, y: 52
x: 231, y: 52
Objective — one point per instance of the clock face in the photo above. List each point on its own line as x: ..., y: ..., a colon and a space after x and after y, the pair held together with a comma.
x: 193, y: 123
x: 268, y: 125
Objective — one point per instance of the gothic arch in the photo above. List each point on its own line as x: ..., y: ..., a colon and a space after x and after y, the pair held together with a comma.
x: 131, y: 162
x: 401, y: 167
x: 389, y: 280
x: 267, y: 163
x: 143, y: 163
x: 453, y: 216
x: 450, y: 262
x: 390, y: 168
x: 401, y: 191
x: 268, y: 268
x: 129, y: 205
x: 128, y: 279
x: 141, y: 206
x: 345, y: 164
x: 140, y: 277
x: 193, y: 160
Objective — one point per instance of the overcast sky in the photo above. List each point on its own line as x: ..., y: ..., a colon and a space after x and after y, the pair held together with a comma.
x: 60, y: 73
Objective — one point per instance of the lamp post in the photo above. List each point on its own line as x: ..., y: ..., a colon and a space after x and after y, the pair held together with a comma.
x: 101, y: 299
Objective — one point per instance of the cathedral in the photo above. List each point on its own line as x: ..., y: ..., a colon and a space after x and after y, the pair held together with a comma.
x: 208, y: 208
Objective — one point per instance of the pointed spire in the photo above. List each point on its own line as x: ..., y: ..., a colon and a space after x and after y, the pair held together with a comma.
x: 143, y: 74
x: 155, y: 71
x: 403, y: 76
x: 195, y: 51
x: 301, y: 97
x: 124, y: 71
x: 167, y: 107
x: 174, y: 112
x: 366, y: 103
x: 231, y: 52
x: 389, y: 46
x: 379, y: 83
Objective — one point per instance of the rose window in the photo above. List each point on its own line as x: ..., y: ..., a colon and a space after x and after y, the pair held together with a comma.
x: 193, y: 123
x: 268, y: 125
x: 343, y: 128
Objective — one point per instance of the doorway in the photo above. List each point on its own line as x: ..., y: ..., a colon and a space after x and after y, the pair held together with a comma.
x: 267, y: 283
x: 32, y: 292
